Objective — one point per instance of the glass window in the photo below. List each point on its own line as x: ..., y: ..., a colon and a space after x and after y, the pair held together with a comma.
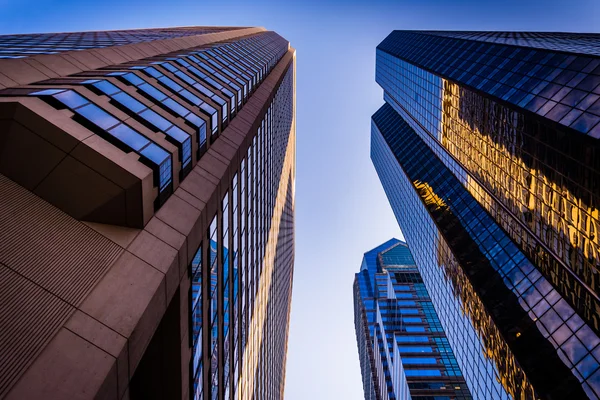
x: 129, y: 137
x: 422, y: 372
x: 97, y: 115
x: 415, y: 349
x: 412, y: 339
x: 71, y: 99
x: 152, y: 92
x: 176, y: 107
x: 129, y: 102
x: 155, y: 153
x: 106, y: 87
x: 156, y: 120
x: 419, y: 360
x: 132, y: 78
x: 47, y: 92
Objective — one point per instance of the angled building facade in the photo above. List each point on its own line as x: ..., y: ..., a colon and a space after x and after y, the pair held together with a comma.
x: 147, y: 213
x: 488, y: 150
x: 402, y: 347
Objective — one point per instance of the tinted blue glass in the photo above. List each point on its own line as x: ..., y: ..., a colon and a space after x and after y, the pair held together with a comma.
x: 412, y: 339
x: 415, y: 349
x: 208, y: 108
x: 156, y: 120
x: 419, y: 360
x: 71, y: 99
x: 98, y: 116
x: 208, y: 68
x: 176, y: 107
x: 106, y: 87
x: 422, y: 372
x: 202, y: 133
x: 219, y: 100
x: 194, y: 59
x: 191, y: 98
x: 213, y: 82
x: 409, y: 311
x: 197, y: 72
x: 184, y: 77
x: 170, y: 84
x: 169, y: 67
x: 155, y: 153
x: 182, y: 62
x: 153, y: 92
x: 203, y: 90
x: 177, y: 134
x: 194, y: 119
x: 129, y: 102
x: 229, y: 94
x: 152, y: 72
x: 90, y: 81
x: 585, y: 122
x: 47, y: 92
x: 131, y: 77
x: 129, y: 137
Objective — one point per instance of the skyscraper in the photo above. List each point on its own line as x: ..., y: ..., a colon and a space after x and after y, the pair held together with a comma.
x: 403, y: 350
x: 146, y: 213
x: 487, y: 148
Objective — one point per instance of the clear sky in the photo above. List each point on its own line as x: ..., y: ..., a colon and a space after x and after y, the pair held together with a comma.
x: 341, y: 210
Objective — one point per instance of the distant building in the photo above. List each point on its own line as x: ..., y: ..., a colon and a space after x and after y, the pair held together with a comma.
x: 403, y: 350
x: 488, y: 150
x: 146, y: 213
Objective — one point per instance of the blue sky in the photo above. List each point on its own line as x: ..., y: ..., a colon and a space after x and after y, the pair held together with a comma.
x: 341, y: 210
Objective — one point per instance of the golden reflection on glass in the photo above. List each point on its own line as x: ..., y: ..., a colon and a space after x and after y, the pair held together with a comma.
x: 512, y: 377
x: 429, y: 196
x: 533, y: 180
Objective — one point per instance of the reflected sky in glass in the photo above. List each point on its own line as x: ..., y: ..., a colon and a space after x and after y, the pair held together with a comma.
x: 341, y: 210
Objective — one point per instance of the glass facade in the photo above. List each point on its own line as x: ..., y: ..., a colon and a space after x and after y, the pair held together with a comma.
x: 503, y: 196
x: 248, y: 253
x: 561, y: 86
x: 403, y: 350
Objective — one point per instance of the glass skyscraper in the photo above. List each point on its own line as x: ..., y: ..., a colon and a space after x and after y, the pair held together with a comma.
x: 487, y: 148
x: 147, y: 213
x: 402, y: 347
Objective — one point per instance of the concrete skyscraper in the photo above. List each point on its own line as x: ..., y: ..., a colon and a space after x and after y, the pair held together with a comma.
x: 146, y: 213
x: 488, y: 150
x: 402, y: 347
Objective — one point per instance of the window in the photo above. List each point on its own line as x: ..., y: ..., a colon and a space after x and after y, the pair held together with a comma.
x: 160, y: 98
x: 422, y: 372
x: 412, y: 339
x: 140, y: 111
x: 415, y: 349
x: 114, y: 130
x: 419, y: 360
